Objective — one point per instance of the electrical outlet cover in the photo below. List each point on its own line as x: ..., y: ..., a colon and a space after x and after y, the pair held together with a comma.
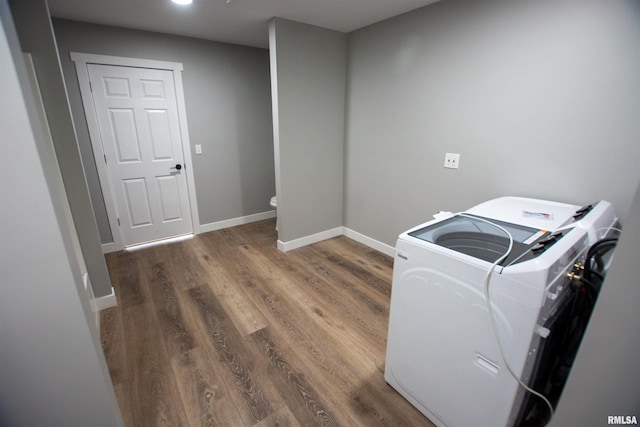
x: 452, y: 160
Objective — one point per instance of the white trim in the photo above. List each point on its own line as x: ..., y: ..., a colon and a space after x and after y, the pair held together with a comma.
x: 334, y: 232
x: 307, y: 240
x: 160, y: 242
x: 372, y: 243
x: 186, y: 150
x: 102, y: 303
x: 81, y: 60
x: 273, y: 67
x: 347, y: 232
x: 107, y: 301
x: 98, y: 150
x: 213, y: 226
x: 108, y: 248
x: 90, y: 58
x: 92, y: 299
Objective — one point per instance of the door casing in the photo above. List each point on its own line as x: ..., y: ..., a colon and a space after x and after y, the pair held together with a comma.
x: 81, y: 60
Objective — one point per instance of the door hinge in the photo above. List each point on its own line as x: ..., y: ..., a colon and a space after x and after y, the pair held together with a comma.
x: 105, y: 159
x: 118, y: 221
x: 90, y: 86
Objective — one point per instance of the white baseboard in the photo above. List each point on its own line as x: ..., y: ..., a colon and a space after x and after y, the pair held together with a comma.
x: 204, y: 228
x: 106, y: 301
x: 334, y: 232
x: 108, y: 247
x: 101, y: 303
x: 307, y: 240
x: 368, y: 241
x: 86, y: 281
x: 212, y: 226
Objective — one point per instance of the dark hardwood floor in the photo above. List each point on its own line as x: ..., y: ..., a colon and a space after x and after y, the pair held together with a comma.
x: 226, y: 330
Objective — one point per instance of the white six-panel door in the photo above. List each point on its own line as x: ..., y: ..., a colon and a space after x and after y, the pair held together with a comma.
x: 137, y: 116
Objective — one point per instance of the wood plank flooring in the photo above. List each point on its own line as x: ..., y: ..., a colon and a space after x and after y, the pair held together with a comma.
x: 226, y: 330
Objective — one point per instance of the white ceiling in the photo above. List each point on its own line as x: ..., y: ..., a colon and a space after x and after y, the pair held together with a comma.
x: 233, y: 21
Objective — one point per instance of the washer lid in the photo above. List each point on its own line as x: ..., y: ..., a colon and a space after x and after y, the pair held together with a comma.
x: 541, y: 214
x: 481, y: 238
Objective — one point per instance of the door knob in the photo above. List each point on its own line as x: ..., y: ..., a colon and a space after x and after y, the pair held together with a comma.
x: 177, y: 167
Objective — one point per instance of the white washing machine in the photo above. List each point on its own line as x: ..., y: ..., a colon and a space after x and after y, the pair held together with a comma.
x: 442, y: 352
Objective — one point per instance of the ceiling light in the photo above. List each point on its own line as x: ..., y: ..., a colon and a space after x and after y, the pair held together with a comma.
x: 182, y: 1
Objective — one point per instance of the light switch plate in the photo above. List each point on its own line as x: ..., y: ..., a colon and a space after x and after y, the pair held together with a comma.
x: 198, y: 149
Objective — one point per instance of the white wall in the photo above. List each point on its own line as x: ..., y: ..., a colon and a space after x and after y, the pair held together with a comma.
x: 308, y: 74
x: 540, y: 98
x: 52, y: 370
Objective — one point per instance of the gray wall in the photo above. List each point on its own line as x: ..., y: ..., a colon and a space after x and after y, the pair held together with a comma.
x: 228, y: 102
x: 604, y: 379
x: 540, y: 98
x: 52, y: 369
x: 36, y: 37
x: 308, y: 66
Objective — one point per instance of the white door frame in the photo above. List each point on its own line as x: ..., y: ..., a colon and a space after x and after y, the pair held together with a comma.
x: 81, y: 60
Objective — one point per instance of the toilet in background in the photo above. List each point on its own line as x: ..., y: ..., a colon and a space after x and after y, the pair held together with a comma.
x: 274, y: 204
